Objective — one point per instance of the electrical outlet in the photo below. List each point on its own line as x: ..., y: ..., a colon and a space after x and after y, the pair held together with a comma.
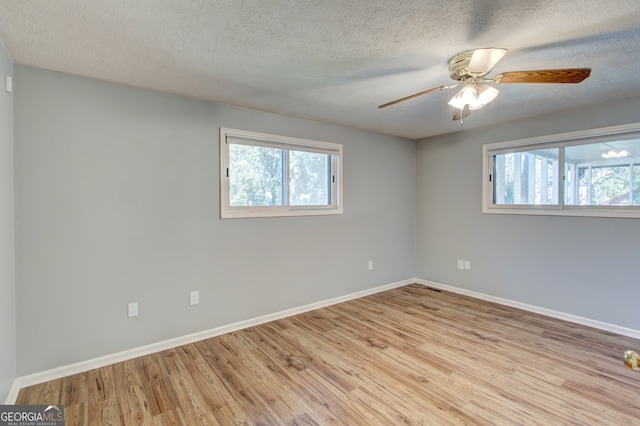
x: 467, y: 264
x: 460, y: 264
x: 8, y: 84
x: 371, y: 265
x: 132, y: 309
x: 194, y: 298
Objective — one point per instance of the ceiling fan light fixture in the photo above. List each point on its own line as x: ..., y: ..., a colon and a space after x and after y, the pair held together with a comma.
x: 457, y: 101
x: 475, y: 95
x: 615, y: 154
x: 484, y: 94
x: 465, y: 96
x: 468, y: 93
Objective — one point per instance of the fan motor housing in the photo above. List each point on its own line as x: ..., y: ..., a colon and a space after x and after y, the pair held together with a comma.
x: 458, y: 66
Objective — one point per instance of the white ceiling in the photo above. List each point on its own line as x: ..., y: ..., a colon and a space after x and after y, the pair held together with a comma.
x: 335, y: 60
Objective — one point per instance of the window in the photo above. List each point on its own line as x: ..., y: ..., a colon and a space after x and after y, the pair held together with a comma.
x: 265, y: 175
x: 526, y: 177
x: 591, y: 173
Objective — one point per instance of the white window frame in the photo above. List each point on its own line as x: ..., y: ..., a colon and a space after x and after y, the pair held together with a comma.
x: 281, y: 142
x: 606, y: 134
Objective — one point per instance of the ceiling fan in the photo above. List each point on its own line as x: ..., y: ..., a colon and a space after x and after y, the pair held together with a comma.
x: 470, y: 70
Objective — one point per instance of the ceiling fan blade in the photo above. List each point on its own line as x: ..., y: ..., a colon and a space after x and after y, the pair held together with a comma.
x: 436, y: 89
x: 483, y: 60
x: 569, y: 75
x: 459, y: 114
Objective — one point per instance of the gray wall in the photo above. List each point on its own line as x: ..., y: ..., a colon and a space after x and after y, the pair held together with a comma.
x: 582, y: 266
x: 117, y: 200
x: 7, y: 288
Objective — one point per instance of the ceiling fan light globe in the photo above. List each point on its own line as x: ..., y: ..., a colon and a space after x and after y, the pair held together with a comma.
x: 484, y: 94
x: 468, y: 93
x: 465, y: 96
x: 457, y: 102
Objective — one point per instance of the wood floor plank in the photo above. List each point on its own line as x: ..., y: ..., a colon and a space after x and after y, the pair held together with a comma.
x: 132, y: 400
x: 191, y: 401
x: 209, y: 394
x: 170, y: 418
x: 411, y: 355
x: 41, y: 394
x: 104, y: 408
x: 259, y: 380
x: 75, y: 388
x: 76, y: 414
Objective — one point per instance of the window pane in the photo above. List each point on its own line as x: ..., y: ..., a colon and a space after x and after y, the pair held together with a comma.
x: 603, y: 185
x: 605, y: 174
x: 526, y: 178
x: 255, y: 176
x: 309, y: 179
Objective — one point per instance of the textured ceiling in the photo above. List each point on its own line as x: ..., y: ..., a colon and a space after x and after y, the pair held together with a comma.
x: 334, y: 61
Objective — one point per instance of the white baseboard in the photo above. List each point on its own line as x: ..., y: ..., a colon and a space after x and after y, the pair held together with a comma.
x: 13, y: 393
x: 82, y: 366
x: 629, y: 332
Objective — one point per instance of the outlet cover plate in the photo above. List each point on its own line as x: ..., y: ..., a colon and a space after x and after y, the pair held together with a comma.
x: 132, y: 309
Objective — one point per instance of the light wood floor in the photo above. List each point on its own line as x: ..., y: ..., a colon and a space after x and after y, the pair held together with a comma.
x: 411, y: 355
